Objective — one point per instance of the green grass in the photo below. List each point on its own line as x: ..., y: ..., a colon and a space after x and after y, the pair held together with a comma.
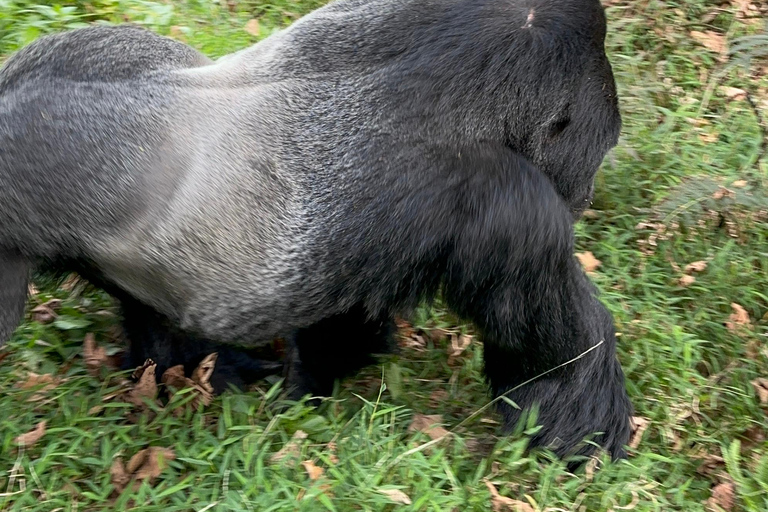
x: 686, y: 371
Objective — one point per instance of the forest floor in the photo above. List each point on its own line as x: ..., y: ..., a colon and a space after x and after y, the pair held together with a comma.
x: 677, y: 242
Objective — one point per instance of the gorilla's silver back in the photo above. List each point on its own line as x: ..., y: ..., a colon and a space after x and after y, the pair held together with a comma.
x: 216, y: 191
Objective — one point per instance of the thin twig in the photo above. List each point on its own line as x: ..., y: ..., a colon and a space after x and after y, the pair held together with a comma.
x: 501, y: 396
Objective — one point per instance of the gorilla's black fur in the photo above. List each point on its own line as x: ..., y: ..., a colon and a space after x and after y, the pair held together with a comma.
x: 322, y: 181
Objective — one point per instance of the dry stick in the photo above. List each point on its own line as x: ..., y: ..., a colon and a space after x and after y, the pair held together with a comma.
x: 501, y: 396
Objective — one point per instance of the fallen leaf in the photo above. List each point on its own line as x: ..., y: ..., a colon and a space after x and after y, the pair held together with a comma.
x: 145, y: 388
x: 292, y: 447
x: 150, y: 462
x: 711, y: 464
x: 174, y: 377
x: 428, y: 424
x: 459, y: 344
x: 396, y: 495
x: 588, y: 261
x: 590, y: 468
x: 723, y: 192
x: 202, y: 374
x: 439, y: 335
x: 734, y: 93
x: 639, y: 426
x: 43, y: 314
x: 686, y: 280
x: 71, y: 282
x: 313, y: 471
x: 139, y: 371
x: 696, y: 266
x: 332, y: 457
x: 118, y: 475
x: 95, y: 357
x: 32, y: 290
x: 761, y: 387
x: 742, y: 7
x: 711, y: 40
x: 739, y: 184
x: 41, y: 383
x: 723, y: 497
x: 146, y: 464
x: 709, y: 137
x: 437, y: 398
x: 175, y: 380
x: 46, y: 381
x: 501, y: 503
x: 739, y: 317
x: 253, y: 27
x: 33, y: 436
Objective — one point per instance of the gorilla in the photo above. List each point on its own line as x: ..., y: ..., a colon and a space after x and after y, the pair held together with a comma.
x: 315, y: 185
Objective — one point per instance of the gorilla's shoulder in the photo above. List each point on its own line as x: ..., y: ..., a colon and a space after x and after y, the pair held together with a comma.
x: 99, y: 53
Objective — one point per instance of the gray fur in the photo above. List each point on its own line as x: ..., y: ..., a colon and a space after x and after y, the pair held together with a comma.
x: 356, y: 158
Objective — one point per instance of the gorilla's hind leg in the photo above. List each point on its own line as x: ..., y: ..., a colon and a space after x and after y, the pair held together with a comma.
x: 333, y: 348
x: 14, y: 280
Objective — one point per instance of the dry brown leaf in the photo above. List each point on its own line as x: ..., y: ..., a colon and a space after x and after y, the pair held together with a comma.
x: 175, y: 380
x: 709, y: 137
x: 396, y: 495
x: 439, y: 335
x: 686, y: 280
x: 150, y: 462
x: 588, y: 261
x: 41, y: 383
x: 711, y: 40
x: 32, y: 290
x: 202, y: 374
x: 710, y: 465
x: 46, y: 382
x: 139, y: 371
x: 639, y: 426
x: 313, y: 471
x: 118, y: 475
x: 253, y: 27
x: 696, y: 266
x: 95, y: 356
x: 761, y: 387
x: 501, y: 503
x: 428, y: 424
x: 44, y: 313
x: 723, y: 497
x: 734, y: 93
x: 723, y: 192
x: 145, y: 388
x: 33, y: 436
x: 332, y: 457
x: 739, y: 184
x: 459, y: 344
x: 292, y: 448
x: 146, y: 464
x: 437, y: 398
x: 739, y: 317
x: 71, y: 282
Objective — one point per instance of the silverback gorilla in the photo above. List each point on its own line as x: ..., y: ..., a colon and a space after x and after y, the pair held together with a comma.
x: 324, y: 180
